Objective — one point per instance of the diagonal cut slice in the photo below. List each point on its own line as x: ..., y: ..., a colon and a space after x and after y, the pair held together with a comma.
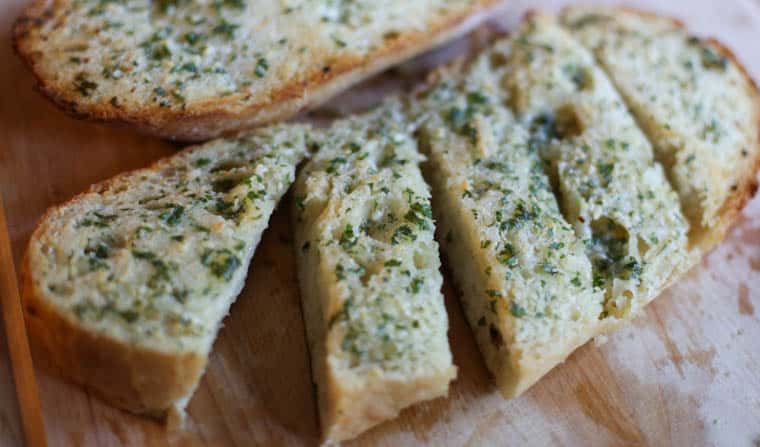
x: 557, y: 221
x: 612, y: 190
x: 368, y: 268
x: 126, y: 285
x: 525, y: 281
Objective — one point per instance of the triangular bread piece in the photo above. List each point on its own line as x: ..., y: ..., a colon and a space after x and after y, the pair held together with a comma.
x: 126, y: 285
x: 368, y: 267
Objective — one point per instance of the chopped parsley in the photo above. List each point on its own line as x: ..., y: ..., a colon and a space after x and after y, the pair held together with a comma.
x: 173, y: 215
x: 404, y: 232
x: 222, y: 263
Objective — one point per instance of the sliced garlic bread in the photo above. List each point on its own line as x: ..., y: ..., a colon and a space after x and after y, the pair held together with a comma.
x: 126, y: 285
x: 612, y: 190
x: 695, y: 102
x: 559, y: 224
x: 191, y: 70
x: 525, y: 280
x: 368, y: 268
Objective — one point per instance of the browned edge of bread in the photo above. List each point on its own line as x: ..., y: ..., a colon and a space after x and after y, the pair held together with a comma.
x: 747, y: 186
x: 217, y: 117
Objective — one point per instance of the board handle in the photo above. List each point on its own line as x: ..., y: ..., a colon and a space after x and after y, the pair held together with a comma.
x: 18, y: 343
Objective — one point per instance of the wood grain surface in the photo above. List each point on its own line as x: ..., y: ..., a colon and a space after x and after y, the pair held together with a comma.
x: 684, y: 373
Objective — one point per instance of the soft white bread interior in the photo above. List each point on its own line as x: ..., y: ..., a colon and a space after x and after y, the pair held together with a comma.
x: 524, y: 279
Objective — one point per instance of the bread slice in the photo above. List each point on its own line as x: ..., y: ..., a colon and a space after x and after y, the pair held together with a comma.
x: 368, y: 268
x: 125, y: 286
x: 525, y: 280
x: 695, y: 102
x: 193, y: 70
x: 539, y: 279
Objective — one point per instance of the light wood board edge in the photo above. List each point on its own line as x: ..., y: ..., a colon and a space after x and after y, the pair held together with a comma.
x: 18, y: 343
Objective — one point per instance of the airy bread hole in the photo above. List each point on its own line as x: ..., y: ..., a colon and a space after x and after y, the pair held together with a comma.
x: 567, y: 122
x: 643, y: 247
x: 497, y: 60
x: 421, y: 261
x: 544, y: 129
x: 227, y: 183
x: 228, y: 166
x: 608, y: 251
x: 561, y: 124
x: 608, y: 245
x: 619, y: 307
x: 580, y: 76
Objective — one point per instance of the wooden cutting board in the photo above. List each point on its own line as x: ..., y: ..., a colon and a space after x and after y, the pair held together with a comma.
x: 684, y: 373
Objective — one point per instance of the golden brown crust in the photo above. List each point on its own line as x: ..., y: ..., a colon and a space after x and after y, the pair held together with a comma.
x: 219, y: 116
x: 747, y: 185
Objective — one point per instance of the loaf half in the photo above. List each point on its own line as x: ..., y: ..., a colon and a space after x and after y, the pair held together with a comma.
x: 126, y: 285
x: 192, y: 70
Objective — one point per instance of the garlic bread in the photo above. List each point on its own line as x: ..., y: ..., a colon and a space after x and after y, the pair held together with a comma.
x: 126, y: 285
x: 525, y: 281
x: 693, y: 99
x: 191, y: 70
x: 558, y: 223
x: 368, y: 268
x: 612, y: 190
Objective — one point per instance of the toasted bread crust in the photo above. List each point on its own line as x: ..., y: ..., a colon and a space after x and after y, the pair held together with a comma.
x: 219, y: 116
x: 747, y: 186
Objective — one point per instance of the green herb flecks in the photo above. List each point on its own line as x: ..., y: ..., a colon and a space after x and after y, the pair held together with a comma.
x: 222, y: 263
x: 172, y: 215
